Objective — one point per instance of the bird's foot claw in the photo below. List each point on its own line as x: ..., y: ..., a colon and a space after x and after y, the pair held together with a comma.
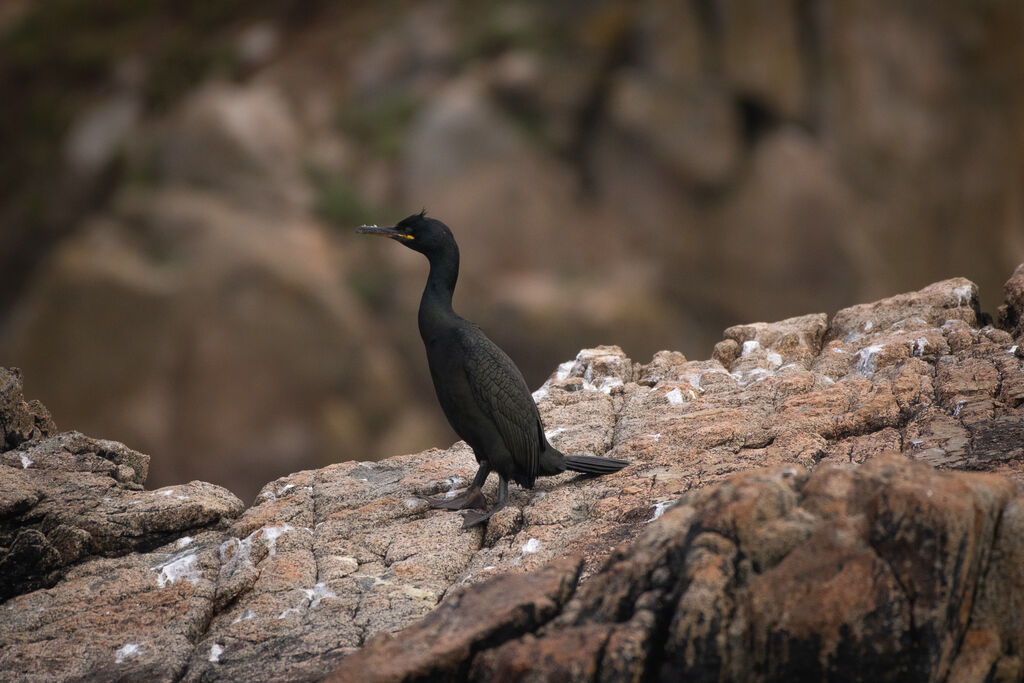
x: 471, y: 498
x: 472, y: 518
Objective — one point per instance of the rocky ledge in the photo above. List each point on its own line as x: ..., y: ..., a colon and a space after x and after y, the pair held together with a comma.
x: 792, y: 510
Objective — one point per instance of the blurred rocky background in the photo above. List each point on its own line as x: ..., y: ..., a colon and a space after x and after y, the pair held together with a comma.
x: 179, y: 182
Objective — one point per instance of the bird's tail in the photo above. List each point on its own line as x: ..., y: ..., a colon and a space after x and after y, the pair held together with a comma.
x: 590, y: 464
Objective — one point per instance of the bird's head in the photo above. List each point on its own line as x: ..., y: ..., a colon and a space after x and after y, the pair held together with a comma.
x: 419, y: 232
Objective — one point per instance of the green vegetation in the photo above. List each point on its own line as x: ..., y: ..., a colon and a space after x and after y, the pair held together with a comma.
x: 336, y: 201
x: 382, y: 125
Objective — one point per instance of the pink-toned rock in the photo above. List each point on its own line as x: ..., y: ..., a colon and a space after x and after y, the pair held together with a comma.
x: 1011, y: 313
x: 873, y: 569
x: 688, y: 560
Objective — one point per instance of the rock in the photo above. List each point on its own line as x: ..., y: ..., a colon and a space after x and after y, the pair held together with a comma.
x: 665, y: 102
x: 1011, y: 313
x: 100, y: 131
x: 240, y: 142
x: 871, y: 569
x: 762, y: 56
x: 763, y: 525
x: 244, y: 359
x: 20, y: 421
x: 69, y: 497
x: 693, y: 131
x: 130, y: 617
x: 955, y: 299
x: 441, y: 646
x: 753, y: 162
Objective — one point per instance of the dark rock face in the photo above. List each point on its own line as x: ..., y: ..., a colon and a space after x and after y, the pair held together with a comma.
x: 441, y: 646
x: 867, y: 573
x: 765, y: 529
x: 1011, y: 313
x: 67, y: 496
x: 20, y: 421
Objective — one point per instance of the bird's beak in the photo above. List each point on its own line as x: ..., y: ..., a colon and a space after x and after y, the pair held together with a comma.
x: 393, y: 233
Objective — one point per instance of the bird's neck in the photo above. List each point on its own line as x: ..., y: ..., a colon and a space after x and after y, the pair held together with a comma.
x: 436, y: 311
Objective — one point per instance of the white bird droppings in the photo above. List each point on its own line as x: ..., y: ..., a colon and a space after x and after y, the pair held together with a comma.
x: 127, y: 650
x: 312, y: 597
x: 247, y: 614
x: 553, y: 432
x: 564, y: 369
x: 180, y: 566
x: 675, y: 397
x: 560, y: 374
x: 25, y: 460
x: 659, y: 510
x: 272, y: 533
x: 867, y: 359
x: 531, y: 546
x: 963, y: 295
x: 318, y: 594
x: 215, y: 652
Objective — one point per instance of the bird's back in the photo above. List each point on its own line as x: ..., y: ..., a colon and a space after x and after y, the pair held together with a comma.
x: 487, y: 401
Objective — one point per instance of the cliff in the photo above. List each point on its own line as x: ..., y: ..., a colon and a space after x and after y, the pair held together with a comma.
x: 798, y: 505
x: 643, y: 172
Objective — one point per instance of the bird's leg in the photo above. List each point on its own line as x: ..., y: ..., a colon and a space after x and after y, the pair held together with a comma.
x: 471, y: 518
x: 472, y: 497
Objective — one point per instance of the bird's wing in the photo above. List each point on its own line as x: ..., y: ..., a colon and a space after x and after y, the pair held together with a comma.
x: 501, y: 392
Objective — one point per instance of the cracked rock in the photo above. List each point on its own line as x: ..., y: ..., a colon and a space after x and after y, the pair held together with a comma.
x: 763, y: 525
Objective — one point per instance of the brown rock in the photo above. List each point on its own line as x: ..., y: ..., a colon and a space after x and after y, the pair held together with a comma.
x: 69, y: 497
x: 834, y: 556
x: 955, y: 299
x: 872, y: 570
x: 439, y: 648
x: 1011, y: 313
x: 761, y: 54
x: 20, y: 421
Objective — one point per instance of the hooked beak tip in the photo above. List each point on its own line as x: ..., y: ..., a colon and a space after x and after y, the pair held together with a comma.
x: 391, y: 232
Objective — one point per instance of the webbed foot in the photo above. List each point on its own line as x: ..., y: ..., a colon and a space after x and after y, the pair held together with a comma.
x: 471, y: 498
x: 471, y: 519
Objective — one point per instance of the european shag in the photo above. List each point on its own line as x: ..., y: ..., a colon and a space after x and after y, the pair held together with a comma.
x: 480, y: 389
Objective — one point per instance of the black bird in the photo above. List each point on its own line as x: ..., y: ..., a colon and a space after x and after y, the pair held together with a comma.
x: 480, y: 389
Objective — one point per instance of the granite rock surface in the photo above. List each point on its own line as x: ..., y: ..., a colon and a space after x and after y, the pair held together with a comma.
x: 762, y: 483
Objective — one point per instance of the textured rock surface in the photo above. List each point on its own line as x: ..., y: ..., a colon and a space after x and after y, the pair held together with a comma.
x: 869, y: 573
x: 20, y: 421
x: 642, y: 172
x: 67, y: 497
x: 798, y: 569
